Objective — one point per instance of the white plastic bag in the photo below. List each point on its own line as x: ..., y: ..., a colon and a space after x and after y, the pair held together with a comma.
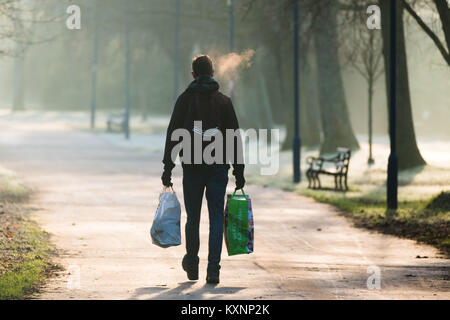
x: 165, y: 231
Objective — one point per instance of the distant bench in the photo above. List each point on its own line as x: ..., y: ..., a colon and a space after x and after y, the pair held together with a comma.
x: 117, y: 120
x: 339, y: 170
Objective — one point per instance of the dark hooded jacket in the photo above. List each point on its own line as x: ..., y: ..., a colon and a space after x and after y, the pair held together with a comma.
x: 202, y: 101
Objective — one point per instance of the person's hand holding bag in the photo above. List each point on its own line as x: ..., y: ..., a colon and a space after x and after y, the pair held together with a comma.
x: 166, y: 178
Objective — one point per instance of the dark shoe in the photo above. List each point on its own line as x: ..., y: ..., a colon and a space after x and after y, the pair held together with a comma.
x: 213, y: 276
x: 191, y: 268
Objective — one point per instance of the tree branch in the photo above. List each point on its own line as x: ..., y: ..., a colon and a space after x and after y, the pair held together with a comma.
x: 429, y: 32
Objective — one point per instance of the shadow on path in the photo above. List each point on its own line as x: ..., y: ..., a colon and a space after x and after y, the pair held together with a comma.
x: 178, y: 293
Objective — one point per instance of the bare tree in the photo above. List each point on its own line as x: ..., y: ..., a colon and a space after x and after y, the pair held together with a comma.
x: 364, y: 53
x: 19, y: 18
x: 408, y: 151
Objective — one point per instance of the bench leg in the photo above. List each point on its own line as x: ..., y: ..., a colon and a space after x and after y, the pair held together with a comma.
x: 318, y: 181
x: 314, y: 180
x: 345, y: 181
x: 341, y: 183
x: 309, y: 180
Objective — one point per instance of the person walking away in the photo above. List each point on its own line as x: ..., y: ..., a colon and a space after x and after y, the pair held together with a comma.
x: 202, y: 103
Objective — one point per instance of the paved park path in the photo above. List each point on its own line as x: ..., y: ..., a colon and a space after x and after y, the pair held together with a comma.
x: 97, y: 200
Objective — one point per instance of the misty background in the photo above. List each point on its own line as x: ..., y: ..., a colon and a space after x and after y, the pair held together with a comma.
x: 55, y: 64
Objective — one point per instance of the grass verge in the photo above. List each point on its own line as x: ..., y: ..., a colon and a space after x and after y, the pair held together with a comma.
x: 25, y: 249
x: 414, y: 219
x: 424, y: 206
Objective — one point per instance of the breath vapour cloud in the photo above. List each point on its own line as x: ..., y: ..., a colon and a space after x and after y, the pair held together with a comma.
x: 228, y: 66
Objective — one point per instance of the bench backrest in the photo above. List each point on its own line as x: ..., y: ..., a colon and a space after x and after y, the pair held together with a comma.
x: 343, y: 159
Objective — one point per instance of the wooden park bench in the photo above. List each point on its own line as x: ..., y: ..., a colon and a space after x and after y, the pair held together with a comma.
x: 116, y: 121
x: 338, y: 169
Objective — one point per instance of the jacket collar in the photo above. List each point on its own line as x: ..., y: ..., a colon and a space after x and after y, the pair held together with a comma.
x: 203, y: 84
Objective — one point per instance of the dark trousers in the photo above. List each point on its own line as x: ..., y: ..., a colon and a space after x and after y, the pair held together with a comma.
x: 195, y: 181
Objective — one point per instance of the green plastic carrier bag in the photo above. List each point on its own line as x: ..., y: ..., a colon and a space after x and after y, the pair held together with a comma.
x: 238, y: 222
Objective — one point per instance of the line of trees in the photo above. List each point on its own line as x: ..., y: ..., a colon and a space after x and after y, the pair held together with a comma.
x: 324, y: 22
x: 333, y: 37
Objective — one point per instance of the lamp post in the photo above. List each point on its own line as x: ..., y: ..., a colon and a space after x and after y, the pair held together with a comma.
x: 392, y: 179
x: 127, y: 82
x: 176, y: 50
x: 94, y: 68
x: 297, y: 141
x: 231, y: 25
x: 231, y: 5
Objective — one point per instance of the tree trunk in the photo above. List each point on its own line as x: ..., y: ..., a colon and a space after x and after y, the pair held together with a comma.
x: 407, y: 151
x: 266, y: 110
x: 19, y: 84
x: 309, y: 118
x: 309, y: 110
x: 370, y: 104
x: 336, y: 126
x: 275, y: 82
x: 287, y: 98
